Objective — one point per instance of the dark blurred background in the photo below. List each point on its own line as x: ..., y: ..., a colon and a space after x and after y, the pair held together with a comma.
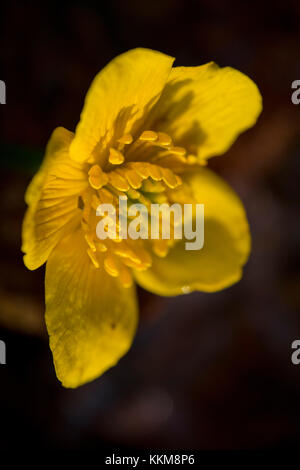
x: 206, y: 371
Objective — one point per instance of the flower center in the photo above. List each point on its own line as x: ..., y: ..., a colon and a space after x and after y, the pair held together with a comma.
x: 149, y: 171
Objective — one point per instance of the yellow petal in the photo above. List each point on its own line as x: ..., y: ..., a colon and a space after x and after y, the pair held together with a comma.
x: 53, y: 201
x: 91, y: 318
x: 119, y: 99
x: 226, y: 242
x: 205, y: 108
x: 56, y: 148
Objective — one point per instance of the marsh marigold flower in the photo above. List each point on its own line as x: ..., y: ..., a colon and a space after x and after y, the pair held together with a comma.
x: 145, y: 132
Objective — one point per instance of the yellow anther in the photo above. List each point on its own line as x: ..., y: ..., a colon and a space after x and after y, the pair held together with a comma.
x: 110, y: 266
x: 179, y: 180
x: 159, y: 198
x: 93, y: 258
x: 164, y: 139
x: 153, y: 187
x: 133, y: 178
x: 169, y: 177
x: 144, y: 257
x: 90, y: 241
x: 178, y: 151
x: 133, y: 194
x: 177, y: 159
x: 154, y: 172
x: 126, y: 139
x: 118, y: 181
x: 148, y: 136
x: 125, y: 252
x: 125, y: 277
x: 191, y: 159
x: 160, y: 248
x: 86, y: 212
x: 95, y: 201
x: 101, y: 247
x: 86, y: 196
x: 132, y: 264
x: 97, y: 178
x: 141, y: 168
x: 84, y: 225
x: 139, y: 267
x: 144, y: 200
x: 169, y: 160
x: 115, y: 157
x: 106, y: 196
x: 117, y: 240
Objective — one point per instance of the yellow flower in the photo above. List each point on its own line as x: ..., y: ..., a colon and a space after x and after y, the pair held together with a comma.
x: 146, y: 132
